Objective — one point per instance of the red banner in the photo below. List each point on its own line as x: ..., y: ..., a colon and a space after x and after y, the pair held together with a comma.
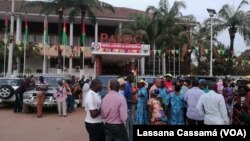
x: 121, y: 46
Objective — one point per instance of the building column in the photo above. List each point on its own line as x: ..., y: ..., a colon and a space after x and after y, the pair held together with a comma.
x: 96, y: 32
x: 48, y: 64
x: 98, y: 62
x: 71, y: 28
x: 18, y: 29
x: 71, y: 45
x: 70, y: 65
x: 143, y: 66
x: 120, y: 28
x: 163, y: 63
x: 18, y: 40
x: 159, y: 64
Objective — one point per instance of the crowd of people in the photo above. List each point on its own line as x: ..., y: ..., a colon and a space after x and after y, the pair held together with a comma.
x: 184, y: 101
x: 168, y: 101
x: 65, y: 95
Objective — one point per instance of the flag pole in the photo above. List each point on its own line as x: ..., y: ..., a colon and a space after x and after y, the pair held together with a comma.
x: 44, y: 59
x: 83, y: 43
x: 5, y: 44
x: 25, y: 44
x: 24, y: 59
x: 63, y: 57
x: 4, y: 65
x: 64, y: 43
x: 44, y: 43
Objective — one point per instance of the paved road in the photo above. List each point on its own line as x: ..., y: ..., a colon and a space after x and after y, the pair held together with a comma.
x: 26, y: 127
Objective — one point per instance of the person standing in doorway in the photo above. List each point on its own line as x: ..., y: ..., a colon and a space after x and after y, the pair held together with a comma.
x: 41, y: 87
x: 93, y: 119
x: 114, y: 118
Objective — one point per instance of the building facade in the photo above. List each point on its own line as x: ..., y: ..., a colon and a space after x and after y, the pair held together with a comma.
x: 111, y: 58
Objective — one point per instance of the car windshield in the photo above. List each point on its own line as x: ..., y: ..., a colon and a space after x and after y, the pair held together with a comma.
x: 52, y: 81
x: 105, y: 80
x: 12, y: 82
x: 149, y: 80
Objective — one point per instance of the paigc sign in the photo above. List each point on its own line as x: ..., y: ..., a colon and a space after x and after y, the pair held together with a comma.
x: 125, y: 39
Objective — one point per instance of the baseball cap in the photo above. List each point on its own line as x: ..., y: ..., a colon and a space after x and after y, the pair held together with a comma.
x: 121, y: 81
x: 168, y: 75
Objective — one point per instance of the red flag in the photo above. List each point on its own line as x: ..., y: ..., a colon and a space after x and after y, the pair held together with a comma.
x: 64, y: 36
x: 5, y: 29
x: 83, y: 33
x: 26, y: 34
x: 45, y: 32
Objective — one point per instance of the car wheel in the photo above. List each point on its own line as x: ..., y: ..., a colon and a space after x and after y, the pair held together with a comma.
x: 6, y: 91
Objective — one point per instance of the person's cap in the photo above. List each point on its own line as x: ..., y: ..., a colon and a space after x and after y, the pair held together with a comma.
x: 248, y: 85
x: 168, y: 75
x: 142, y: 82
x: 121, y: 81
x: 182, y: 79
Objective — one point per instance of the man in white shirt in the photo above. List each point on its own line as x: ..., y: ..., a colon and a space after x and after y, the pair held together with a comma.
x: 85, y: 89
x: 213, y: 106
x: 122, y: 86
x: 93, y: 120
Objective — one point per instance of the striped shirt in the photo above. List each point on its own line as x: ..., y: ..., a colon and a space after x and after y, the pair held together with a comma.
x: 114, y: 108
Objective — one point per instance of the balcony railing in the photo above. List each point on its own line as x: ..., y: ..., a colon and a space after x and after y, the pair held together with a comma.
x: 53, y: 39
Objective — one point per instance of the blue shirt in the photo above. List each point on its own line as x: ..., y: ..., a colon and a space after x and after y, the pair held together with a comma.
x: 191, y: 97
x: 128, y: 94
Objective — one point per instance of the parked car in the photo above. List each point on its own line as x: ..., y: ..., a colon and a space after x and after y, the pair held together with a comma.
x: 29, y: 97
x: 106, y: 78
x: 8, y: 87
x: 207, y: 78
x: 148, y: 79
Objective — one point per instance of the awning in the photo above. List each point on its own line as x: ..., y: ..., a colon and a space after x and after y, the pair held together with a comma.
x: 74, y: 52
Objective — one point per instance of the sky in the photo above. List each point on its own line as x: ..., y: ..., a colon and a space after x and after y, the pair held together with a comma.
x: 198, y: 8
x: 194, y: 7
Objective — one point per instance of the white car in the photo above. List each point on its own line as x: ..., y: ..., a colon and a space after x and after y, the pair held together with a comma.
x: 8, y: 87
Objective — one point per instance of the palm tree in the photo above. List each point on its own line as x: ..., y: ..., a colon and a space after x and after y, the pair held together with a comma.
x: 140, y: 25
x: 86, y: 7
x: 168, y: 27
x: 149, y: 28
x: 235, y: 21
x: 159, y: 27
x: 57, y: 6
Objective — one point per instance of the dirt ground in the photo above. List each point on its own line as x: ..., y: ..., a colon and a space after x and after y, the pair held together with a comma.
x: 26, y: 127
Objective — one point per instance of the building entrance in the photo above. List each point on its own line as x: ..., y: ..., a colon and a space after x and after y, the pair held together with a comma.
x: 110, y: 69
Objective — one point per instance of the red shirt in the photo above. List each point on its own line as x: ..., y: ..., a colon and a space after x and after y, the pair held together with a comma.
x: 169, y: 86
